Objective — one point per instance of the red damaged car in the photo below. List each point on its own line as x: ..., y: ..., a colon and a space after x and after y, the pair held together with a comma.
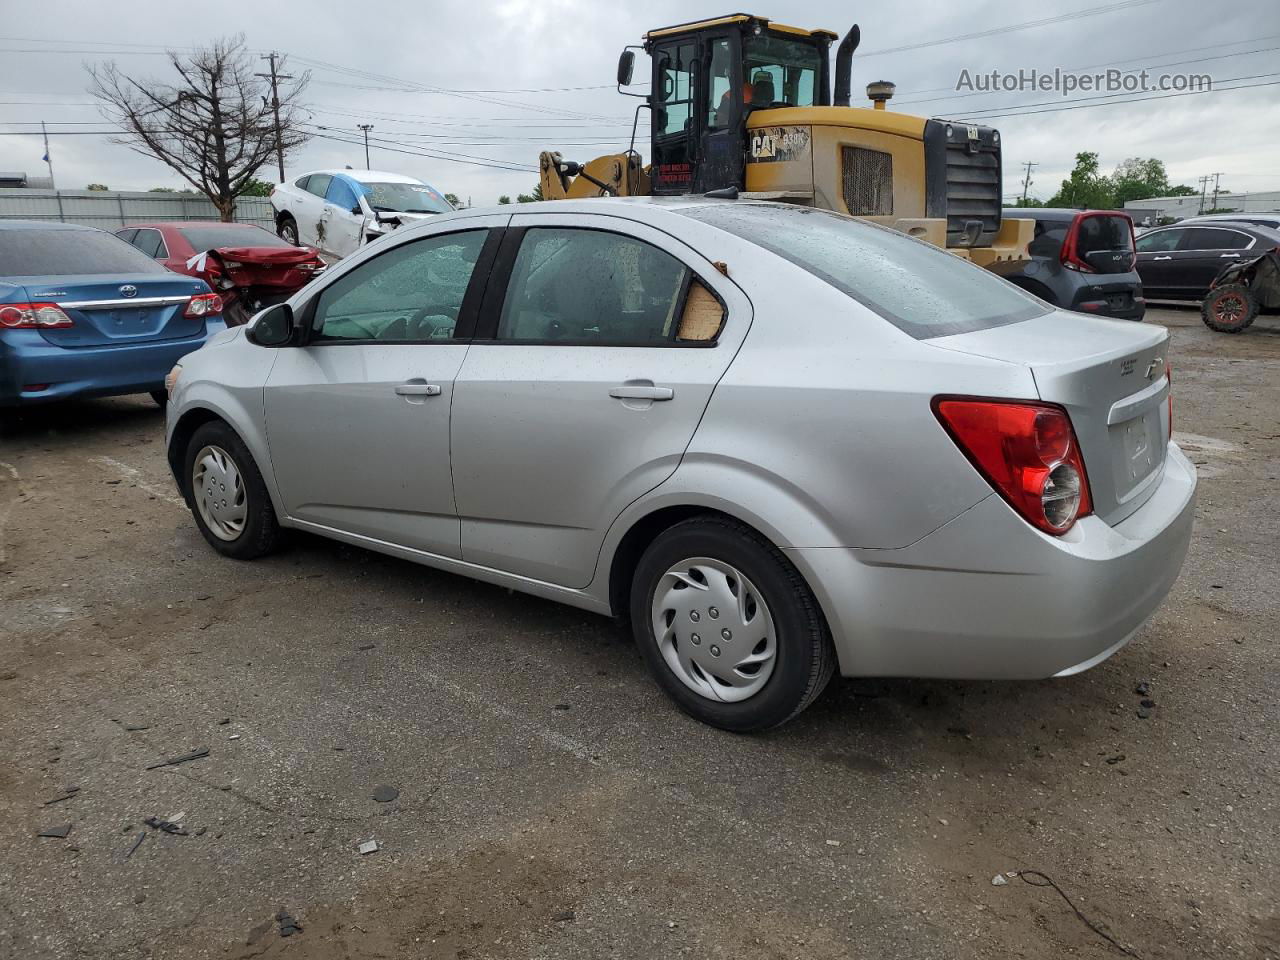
x: 251, y: 268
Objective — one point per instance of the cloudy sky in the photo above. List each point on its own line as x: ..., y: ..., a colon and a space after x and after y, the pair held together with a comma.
x: 467, y: 80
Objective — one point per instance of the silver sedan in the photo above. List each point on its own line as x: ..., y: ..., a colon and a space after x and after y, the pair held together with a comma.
x: 779, y: 441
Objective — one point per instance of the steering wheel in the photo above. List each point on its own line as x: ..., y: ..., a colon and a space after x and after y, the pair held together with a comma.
x: 432, y: 310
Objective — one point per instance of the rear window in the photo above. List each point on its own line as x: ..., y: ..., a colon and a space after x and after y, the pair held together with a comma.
x: 230, y: 235
x: 923, y: 291
x: 1103, y: 233
x: 69, y: 253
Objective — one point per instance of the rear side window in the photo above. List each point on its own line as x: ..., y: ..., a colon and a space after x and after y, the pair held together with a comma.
x: 590, y: 286
x: 69, y: 253
x: 1213, y: 238
x: 1103, y: 233
x: 921, y: 290
x: 1049, y: 237
x: 151, y: 243
x: 318, y: 184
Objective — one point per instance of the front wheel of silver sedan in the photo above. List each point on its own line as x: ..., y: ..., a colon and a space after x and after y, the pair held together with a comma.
x: 728, y: 627
x: 228, y: 497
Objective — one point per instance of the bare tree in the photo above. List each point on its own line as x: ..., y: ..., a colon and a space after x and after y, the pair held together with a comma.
x: 214, y: 126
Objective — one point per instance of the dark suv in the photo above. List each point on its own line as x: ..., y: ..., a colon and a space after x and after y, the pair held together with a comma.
x: 1081, y: 260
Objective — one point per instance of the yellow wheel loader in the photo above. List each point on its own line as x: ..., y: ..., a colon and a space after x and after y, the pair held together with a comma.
x: 740, y: 107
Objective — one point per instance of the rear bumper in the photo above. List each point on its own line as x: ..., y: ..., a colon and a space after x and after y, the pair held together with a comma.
x: 27, y: 359
x: 989, y: 596
x: 1136, y: 309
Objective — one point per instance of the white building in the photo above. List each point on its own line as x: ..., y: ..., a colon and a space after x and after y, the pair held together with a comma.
x: 1180, y: 208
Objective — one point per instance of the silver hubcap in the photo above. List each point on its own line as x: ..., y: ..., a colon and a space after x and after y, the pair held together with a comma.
x: 219, y: 493
x: 714, y: 629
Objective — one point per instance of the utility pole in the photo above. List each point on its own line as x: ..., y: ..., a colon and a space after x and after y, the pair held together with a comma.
x: 1215, y: 190
x: 48, y: 157
x: 1026, y: 181
x: 365, y: 128
x: 1204, y: 186
x: 275, y: 78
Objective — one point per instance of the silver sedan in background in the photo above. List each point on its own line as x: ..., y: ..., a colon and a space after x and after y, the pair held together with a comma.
x: 779, y: 441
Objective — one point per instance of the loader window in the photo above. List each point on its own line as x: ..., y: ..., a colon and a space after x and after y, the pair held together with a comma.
x: 720, y: 87
x: 676, y: 65
x: 781, y: 71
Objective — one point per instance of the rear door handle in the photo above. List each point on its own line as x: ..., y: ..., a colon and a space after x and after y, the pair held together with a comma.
x: 1162, y: 258
x: 1229, y: 255
x: 638, y: 392
x: 418, y: 389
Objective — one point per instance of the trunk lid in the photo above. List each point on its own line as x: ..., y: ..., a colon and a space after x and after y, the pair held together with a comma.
x: 288, y: 269
x: 1109, y: 375
x: 119, y: 309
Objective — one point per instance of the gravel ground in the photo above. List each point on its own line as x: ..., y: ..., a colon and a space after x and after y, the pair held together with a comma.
x: 551, y: 802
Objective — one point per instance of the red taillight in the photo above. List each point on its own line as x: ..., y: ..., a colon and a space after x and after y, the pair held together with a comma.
x: 1027, y: 451
x: 203, y: 305
x: 33, y: 316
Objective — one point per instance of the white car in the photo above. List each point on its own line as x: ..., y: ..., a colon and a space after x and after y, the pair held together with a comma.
x: 337, y: 211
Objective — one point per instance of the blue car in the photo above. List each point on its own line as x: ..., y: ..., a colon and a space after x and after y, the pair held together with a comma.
x: 82, y: 313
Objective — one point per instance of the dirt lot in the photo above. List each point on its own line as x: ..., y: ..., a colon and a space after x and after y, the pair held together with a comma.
x: 551, y: 802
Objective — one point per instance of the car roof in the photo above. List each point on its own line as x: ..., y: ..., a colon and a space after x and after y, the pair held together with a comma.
x: 1052, y: 213
x: 161, y: 224
x: 1264, y: 215
x: 42, y: 225
x: 364, y: 176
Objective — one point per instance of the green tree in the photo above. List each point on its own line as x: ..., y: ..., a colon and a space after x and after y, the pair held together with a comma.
x: 1182, y: 190
x: 1028, y: 202
x: 257, y: 188
x: 504, y: 199
x: 97, y: 186
x: 531, y: 197
x: 453, y: 199
x: 1086, y: 188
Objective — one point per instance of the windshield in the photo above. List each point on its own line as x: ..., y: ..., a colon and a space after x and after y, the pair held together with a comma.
x: 921, y: 290
x: 403, y: 198
x: 230, y: 235
x: 780, y: 72
x: 69, y: 253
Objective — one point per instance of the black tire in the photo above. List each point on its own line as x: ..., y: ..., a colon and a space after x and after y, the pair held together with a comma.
x: 161, y: 397
x: 805, y: 657
x: 1229, y: 308
x: 287, y: 229
x: 261, y: 533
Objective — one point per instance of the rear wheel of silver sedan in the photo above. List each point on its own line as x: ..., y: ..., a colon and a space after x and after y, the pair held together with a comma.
x: 728, y: 627
x: 229, y: 499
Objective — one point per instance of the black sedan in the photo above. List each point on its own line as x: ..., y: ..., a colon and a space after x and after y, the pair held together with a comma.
x: 1180, y: 262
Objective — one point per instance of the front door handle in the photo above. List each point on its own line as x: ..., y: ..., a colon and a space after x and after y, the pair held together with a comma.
x: 1229, y: 254
x: 635, y: 391
x: 1162, y: 258
x: 418, y: 389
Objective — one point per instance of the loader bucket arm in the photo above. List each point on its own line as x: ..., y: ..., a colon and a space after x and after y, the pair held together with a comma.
x: 617, y: 174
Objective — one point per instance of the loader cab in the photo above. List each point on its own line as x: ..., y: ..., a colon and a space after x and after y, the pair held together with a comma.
x: 708, y: 76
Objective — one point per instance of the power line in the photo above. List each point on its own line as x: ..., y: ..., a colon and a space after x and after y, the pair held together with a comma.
x: 1010, y: 28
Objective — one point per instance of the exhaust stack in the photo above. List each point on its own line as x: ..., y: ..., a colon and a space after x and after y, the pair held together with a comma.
x: 844, y: 61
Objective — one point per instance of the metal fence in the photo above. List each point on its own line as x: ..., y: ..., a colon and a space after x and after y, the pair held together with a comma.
x: 113, y: 209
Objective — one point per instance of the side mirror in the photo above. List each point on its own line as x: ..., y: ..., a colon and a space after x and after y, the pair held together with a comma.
x: 273, y: 327
x: 626, y: 66
x: 356, y: 210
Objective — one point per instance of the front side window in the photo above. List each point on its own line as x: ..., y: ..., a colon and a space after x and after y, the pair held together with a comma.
x: 675, y: 74
x: 1158, y: 241
x: 412, y: 293
x: 921, y: 290
x: 341, y: 194
x: 780, y: 71
x: 589, y: 286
